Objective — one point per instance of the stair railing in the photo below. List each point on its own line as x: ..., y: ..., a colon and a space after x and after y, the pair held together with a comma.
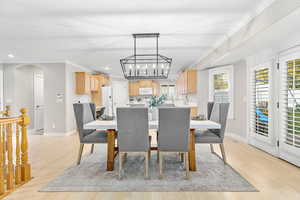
x: 15, y: 169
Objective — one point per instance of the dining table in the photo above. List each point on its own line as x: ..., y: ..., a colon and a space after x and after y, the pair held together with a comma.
x: 111, y: 128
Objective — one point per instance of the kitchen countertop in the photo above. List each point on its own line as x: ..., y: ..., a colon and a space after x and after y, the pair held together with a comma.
x: 187, y: 105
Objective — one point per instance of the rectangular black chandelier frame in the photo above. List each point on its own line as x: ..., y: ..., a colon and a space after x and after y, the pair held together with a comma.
x: 131, y: 65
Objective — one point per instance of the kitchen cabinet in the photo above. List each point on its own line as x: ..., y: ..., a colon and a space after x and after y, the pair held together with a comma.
x: 105, y: 80
x: 94, y: 82
x: 134, y: 87
x: 187, y: 82
x: 91, y: 84
x: 145, y: 83
x: 156, y: 88
x: 82, y: 83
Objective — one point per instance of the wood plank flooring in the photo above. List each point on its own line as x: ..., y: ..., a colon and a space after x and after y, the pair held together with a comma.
x: 49, y: 156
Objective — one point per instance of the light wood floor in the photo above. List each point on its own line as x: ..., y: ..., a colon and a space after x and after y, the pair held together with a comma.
x: 276, y: 179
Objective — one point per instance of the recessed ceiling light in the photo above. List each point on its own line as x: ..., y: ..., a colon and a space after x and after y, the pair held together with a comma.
x: 106, y: 68
x: 10, y: 55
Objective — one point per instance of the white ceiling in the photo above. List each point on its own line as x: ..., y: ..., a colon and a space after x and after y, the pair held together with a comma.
x: 97, y: 34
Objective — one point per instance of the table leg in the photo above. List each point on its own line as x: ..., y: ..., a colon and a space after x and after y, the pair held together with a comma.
x: 192, y: 152
x: 111, y: 134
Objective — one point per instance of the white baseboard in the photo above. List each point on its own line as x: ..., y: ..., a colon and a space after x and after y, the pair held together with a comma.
x: 54, y: 134
x: 31, y: 131
x: 73, y: 132
x: 236, y: 137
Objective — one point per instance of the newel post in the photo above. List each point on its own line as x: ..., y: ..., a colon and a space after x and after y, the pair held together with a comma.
x: 7, y: 111
x: 25, y: 166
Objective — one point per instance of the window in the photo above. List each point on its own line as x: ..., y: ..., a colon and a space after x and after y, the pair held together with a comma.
x: 221, y: 86
x: 168, y: 90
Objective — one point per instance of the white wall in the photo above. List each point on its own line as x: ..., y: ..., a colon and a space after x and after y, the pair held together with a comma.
x: 54, y: 83
x: 71, y: 97
x: 1, y: 87
x: 202, y: 91
x: 238, y: 125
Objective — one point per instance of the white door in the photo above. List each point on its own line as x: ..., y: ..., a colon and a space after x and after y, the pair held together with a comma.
x: 120, y: 94
x: 38, y: 102
x: 262, y: 108
x: 289, y: 135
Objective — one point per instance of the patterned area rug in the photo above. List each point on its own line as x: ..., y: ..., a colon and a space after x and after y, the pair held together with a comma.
x: 90, y: 176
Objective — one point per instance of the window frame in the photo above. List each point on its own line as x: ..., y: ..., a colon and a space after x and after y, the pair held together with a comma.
x: 285, y: 149
x: 219, y: 70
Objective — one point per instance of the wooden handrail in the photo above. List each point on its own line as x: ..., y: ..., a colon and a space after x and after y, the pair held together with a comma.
x: 15, y: 170
x: 9, y: 120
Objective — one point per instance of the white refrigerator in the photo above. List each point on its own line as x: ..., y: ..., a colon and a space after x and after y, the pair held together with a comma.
x: 107, y: 101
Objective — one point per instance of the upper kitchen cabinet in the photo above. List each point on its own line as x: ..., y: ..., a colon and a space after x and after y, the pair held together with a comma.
x: 187, y: 82
x: 83, y: 83
x: 87, y: 83
x: 99, y: 80
x: 156, y: 87
x: 145, y: 84
x: 134, y: 87
x: 94, y: 82
x: 105, y: 80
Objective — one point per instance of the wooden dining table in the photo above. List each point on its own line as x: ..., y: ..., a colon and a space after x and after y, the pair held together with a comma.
x: 111, y: 127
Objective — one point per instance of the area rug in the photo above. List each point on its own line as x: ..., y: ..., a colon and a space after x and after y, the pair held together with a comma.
x: 90, y: 176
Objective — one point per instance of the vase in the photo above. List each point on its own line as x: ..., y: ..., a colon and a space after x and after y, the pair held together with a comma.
x: 153, y: 114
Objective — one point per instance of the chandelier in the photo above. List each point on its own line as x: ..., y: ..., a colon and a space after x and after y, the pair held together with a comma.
x: 146, y: 66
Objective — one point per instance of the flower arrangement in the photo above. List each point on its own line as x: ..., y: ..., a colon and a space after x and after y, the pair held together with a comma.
x: 155, y: 101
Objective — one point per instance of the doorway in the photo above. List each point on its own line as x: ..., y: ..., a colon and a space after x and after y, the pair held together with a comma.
x: 263, y: 108
x: 39, y: 102
x: 29, y: 90
x: 274, y: 112
x: 289, y: 107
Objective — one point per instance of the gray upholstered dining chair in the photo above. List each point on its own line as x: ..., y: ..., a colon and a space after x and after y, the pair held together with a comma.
x: 210, y: 106
x: 173, y: 134
x: 84, y: 113
x: 217, y: 113
x: 133, y: 134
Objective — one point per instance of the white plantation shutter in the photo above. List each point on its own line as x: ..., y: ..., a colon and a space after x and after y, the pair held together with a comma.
x: 260, y: 102
x: 290, y: 101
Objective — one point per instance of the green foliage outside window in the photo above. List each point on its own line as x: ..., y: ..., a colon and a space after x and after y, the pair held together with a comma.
x: 221, y: 81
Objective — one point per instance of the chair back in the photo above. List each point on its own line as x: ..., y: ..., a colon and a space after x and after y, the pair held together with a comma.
x: 209, y: 109
x: 133, y: 131
x: 137, y: 105
x: 84, y: 113
x: 100, y: 112
x: 174, y: 129
x: 219, y: 114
